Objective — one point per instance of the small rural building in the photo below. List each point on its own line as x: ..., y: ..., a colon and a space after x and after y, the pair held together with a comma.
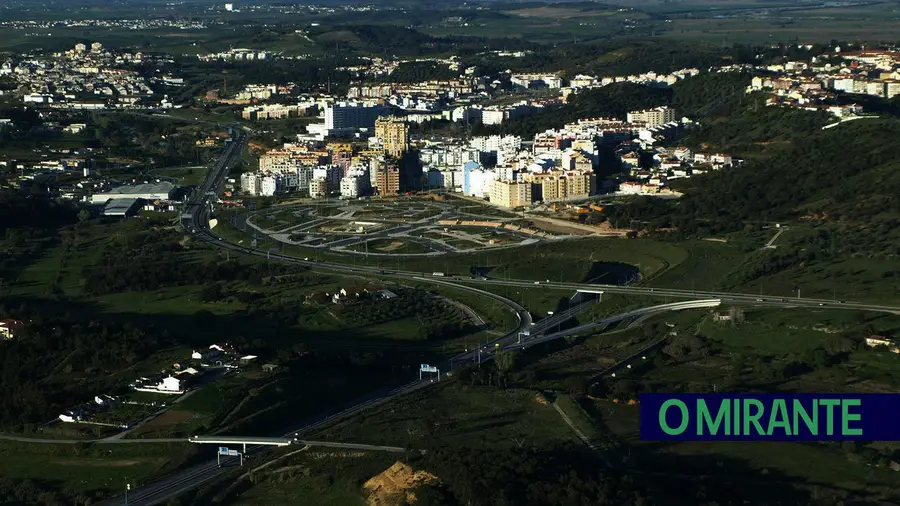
x: 10, y: 328
x: 875, y: 340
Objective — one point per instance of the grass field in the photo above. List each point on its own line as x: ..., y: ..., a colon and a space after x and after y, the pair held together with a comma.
x: 397, y: 246
x: 705, y: 265
x: 458, y: 415
x: 98, y: 468
x: 184, y: 176
x: 808, y: 30
x: 766, y: 333
x: 807, y: 465
x: 319, y: 477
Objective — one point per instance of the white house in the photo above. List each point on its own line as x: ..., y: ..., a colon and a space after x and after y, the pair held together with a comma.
x: 168, y: 385
x: 873, y: 341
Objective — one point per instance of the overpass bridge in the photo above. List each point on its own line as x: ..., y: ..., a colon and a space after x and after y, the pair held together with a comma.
x: 256, y: 442
x: 241, y: 440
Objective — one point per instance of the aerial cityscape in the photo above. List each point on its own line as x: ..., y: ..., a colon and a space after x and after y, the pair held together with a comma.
x: 449, y: 254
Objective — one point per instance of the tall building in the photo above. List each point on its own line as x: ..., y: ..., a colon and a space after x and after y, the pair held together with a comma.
x: 511, y: 193
x: 331, y: 174
x: 272, y: 184
x: 276, y: 160
x: 352, y: 186
x: 652, y: 117
x: 387, y: 180
x: 394, y: 135
x: 318, y: 187
x: 304, y: 175
x: 476, y: 181
x: 345, y: 118
x: 341, y: 154
x: 251, y: 183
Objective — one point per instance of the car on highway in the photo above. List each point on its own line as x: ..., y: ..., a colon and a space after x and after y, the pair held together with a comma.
x: 760, y: 300
x: 821, y: 303
x: 841, y: 302
x: 537, y: 282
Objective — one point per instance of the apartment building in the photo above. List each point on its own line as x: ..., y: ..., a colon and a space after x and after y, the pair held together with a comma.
x: 652, y: 117
x: 394, y: 135
x: 251, y: 183
x: 510, y: 194
x: 352, y: 186
x: 345, y: 118
x: 556, y: 185
x: 318, y: 187
x: 387, y: 180
x: 271, y: 184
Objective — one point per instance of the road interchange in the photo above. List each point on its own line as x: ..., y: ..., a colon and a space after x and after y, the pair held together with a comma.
x: 196, y: 219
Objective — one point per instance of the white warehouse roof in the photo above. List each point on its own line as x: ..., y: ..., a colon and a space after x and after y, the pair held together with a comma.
x: 148, y: 191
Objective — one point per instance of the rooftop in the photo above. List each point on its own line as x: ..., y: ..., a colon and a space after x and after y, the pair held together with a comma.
x: 118, y: 207
x: 161, y: 187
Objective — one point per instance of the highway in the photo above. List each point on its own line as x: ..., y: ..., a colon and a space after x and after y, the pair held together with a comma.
x: 195, y: 220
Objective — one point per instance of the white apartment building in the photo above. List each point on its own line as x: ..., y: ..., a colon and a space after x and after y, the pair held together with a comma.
x: 448, y: 156
x: 251, y: 183
x: 352, y: 186
x: 530, y: 80
x: 497, y: 143
x: 652, y: 117
x: 505, y: 172
x: 318, y: 188
x: 271, y: 184
x: 330, y: 174
x: 493, y: 116
x: 479, y: 182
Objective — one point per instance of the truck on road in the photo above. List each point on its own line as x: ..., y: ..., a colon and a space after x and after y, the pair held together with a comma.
x: 440, y: 274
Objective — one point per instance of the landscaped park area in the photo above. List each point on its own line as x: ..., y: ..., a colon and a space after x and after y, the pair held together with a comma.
x: 408, y: 227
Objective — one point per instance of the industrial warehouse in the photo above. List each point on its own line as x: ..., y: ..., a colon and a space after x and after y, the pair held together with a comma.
x: 126, y: 200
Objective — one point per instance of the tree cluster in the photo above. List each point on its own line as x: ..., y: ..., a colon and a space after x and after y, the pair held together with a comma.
x: 153, y: 258
x: 417, y: 72
x: 58, y: 360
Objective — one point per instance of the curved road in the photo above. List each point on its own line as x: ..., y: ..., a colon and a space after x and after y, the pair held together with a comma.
x: 195, y: 219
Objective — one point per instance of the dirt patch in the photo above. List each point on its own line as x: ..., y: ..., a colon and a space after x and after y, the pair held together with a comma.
x: 168, y: 419
x: 394, y: 485
x: 326, y: 455
x: 554, y: 228
x: 391, y: 247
